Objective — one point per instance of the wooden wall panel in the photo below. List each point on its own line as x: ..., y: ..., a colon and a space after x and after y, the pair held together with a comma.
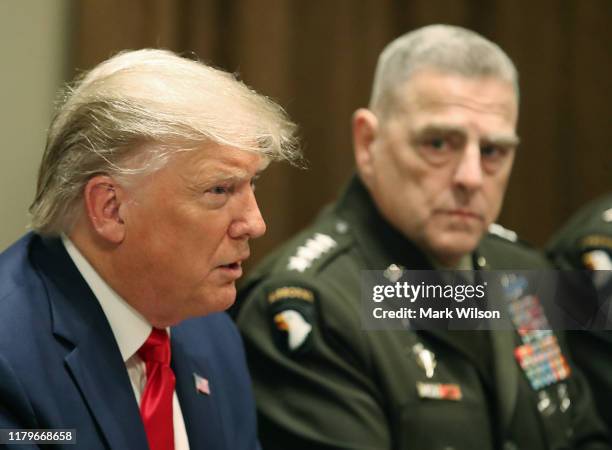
x: 317, y: 59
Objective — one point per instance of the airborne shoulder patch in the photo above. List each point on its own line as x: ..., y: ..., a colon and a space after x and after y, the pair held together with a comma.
x: 596, y: 251
x: 291, y: 315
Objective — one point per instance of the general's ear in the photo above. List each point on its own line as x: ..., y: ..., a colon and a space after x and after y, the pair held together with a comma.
x: 365, y: 131
x: 104, y: 206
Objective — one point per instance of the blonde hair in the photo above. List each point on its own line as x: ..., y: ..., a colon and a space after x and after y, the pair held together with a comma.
x: 148, y: 104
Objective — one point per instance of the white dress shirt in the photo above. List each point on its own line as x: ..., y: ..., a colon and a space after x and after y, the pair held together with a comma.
x: 131, y: 330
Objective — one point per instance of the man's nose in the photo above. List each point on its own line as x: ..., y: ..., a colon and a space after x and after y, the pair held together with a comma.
x: 468, y: 173
x: 249, y: 222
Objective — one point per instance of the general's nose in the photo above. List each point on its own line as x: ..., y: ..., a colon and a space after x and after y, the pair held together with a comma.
x: 249, y: 223
x: 468, y: 173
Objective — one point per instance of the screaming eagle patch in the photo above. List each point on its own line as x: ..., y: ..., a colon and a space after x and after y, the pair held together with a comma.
x: 291, y: 313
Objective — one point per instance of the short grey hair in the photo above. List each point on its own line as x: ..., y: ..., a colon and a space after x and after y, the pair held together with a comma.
x: 146, y: 105
x: 445, y: 48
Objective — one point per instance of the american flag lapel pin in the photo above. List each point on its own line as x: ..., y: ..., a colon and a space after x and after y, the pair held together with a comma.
x: 201, y: 384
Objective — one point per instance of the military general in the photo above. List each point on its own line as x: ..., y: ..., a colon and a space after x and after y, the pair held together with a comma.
x: 434, y: 151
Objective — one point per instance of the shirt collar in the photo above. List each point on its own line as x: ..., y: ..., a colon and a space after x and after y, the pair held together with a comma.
x: 129, y: 327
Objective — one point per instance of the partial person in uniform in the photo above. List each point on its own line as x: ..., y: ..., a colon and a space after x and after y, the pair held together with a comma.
x: 434, y: 152
x: 585, y: 244
x: 111, y: 309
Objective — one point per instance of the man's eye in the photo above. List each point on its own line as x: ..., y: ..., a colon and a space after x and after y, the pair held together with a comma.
x: 492, y: 151
x: 218, y: 190
x: 436, y: 143
x: 437, y: 149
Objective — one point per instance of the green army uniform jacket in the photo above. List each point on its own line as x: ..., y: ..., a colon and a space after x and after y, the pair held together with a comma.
x: 589, y: 230
x: 329, y: 384
x: 585, y: 242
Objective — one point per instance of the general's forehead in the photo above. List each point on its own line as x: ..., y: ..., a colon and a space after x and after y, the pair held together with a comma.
x: 430, y: 86
x: 438, y: 92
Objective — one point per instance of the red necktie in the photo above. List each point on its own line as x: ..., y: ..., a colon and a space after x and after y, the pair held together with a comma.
x: 156, y: 402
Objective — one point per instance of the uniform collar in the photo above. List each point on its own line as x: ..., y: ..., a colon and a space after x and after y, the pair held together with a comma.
x: 129, y: 327
x: 383, y: 244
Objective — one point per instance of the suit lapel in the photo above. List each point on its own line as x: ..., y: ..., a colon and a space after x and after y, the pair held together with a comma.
x: 94, y: 360
x: 106, y: 389
x: 200, y: 411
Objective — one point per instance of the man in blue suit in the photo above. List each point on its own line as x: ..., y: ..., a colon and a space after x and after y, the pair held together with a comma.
x: 111, y: 310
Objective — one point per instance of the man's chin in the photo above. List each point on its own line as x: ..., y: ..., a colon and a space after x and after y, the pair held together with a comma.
x: 224, y: 298
x: 214, y: 300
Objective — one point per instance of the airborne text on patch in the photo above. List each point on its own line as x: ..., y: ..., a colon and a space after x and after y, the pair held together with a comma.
x: 290, y: 292
x: 597, y: 240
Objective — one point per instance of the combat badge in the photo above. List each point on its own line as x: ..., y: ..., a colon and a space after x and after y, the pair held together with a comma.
x: 426, y: 359
x: 291, y: 313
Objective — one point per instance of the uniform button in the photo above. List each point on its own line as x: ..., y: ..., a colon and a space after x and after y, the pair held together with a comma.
x: 569, y: 432
x: 509, y: 445
x: 482, y: 261
x: 341, y: 227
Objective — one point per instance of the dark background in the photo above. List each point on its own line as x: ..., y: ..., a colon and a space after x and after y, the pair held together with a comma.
x: 317, y: 57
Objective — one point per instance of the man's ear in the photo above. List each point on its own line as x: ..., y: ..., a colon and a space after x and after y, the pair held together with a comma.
x: 365, y: 131
x: 104, y: 207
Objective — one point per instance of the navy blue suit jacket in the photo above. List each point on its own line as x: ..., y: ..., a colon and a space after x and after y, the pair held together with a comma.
x: 60, y: 366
